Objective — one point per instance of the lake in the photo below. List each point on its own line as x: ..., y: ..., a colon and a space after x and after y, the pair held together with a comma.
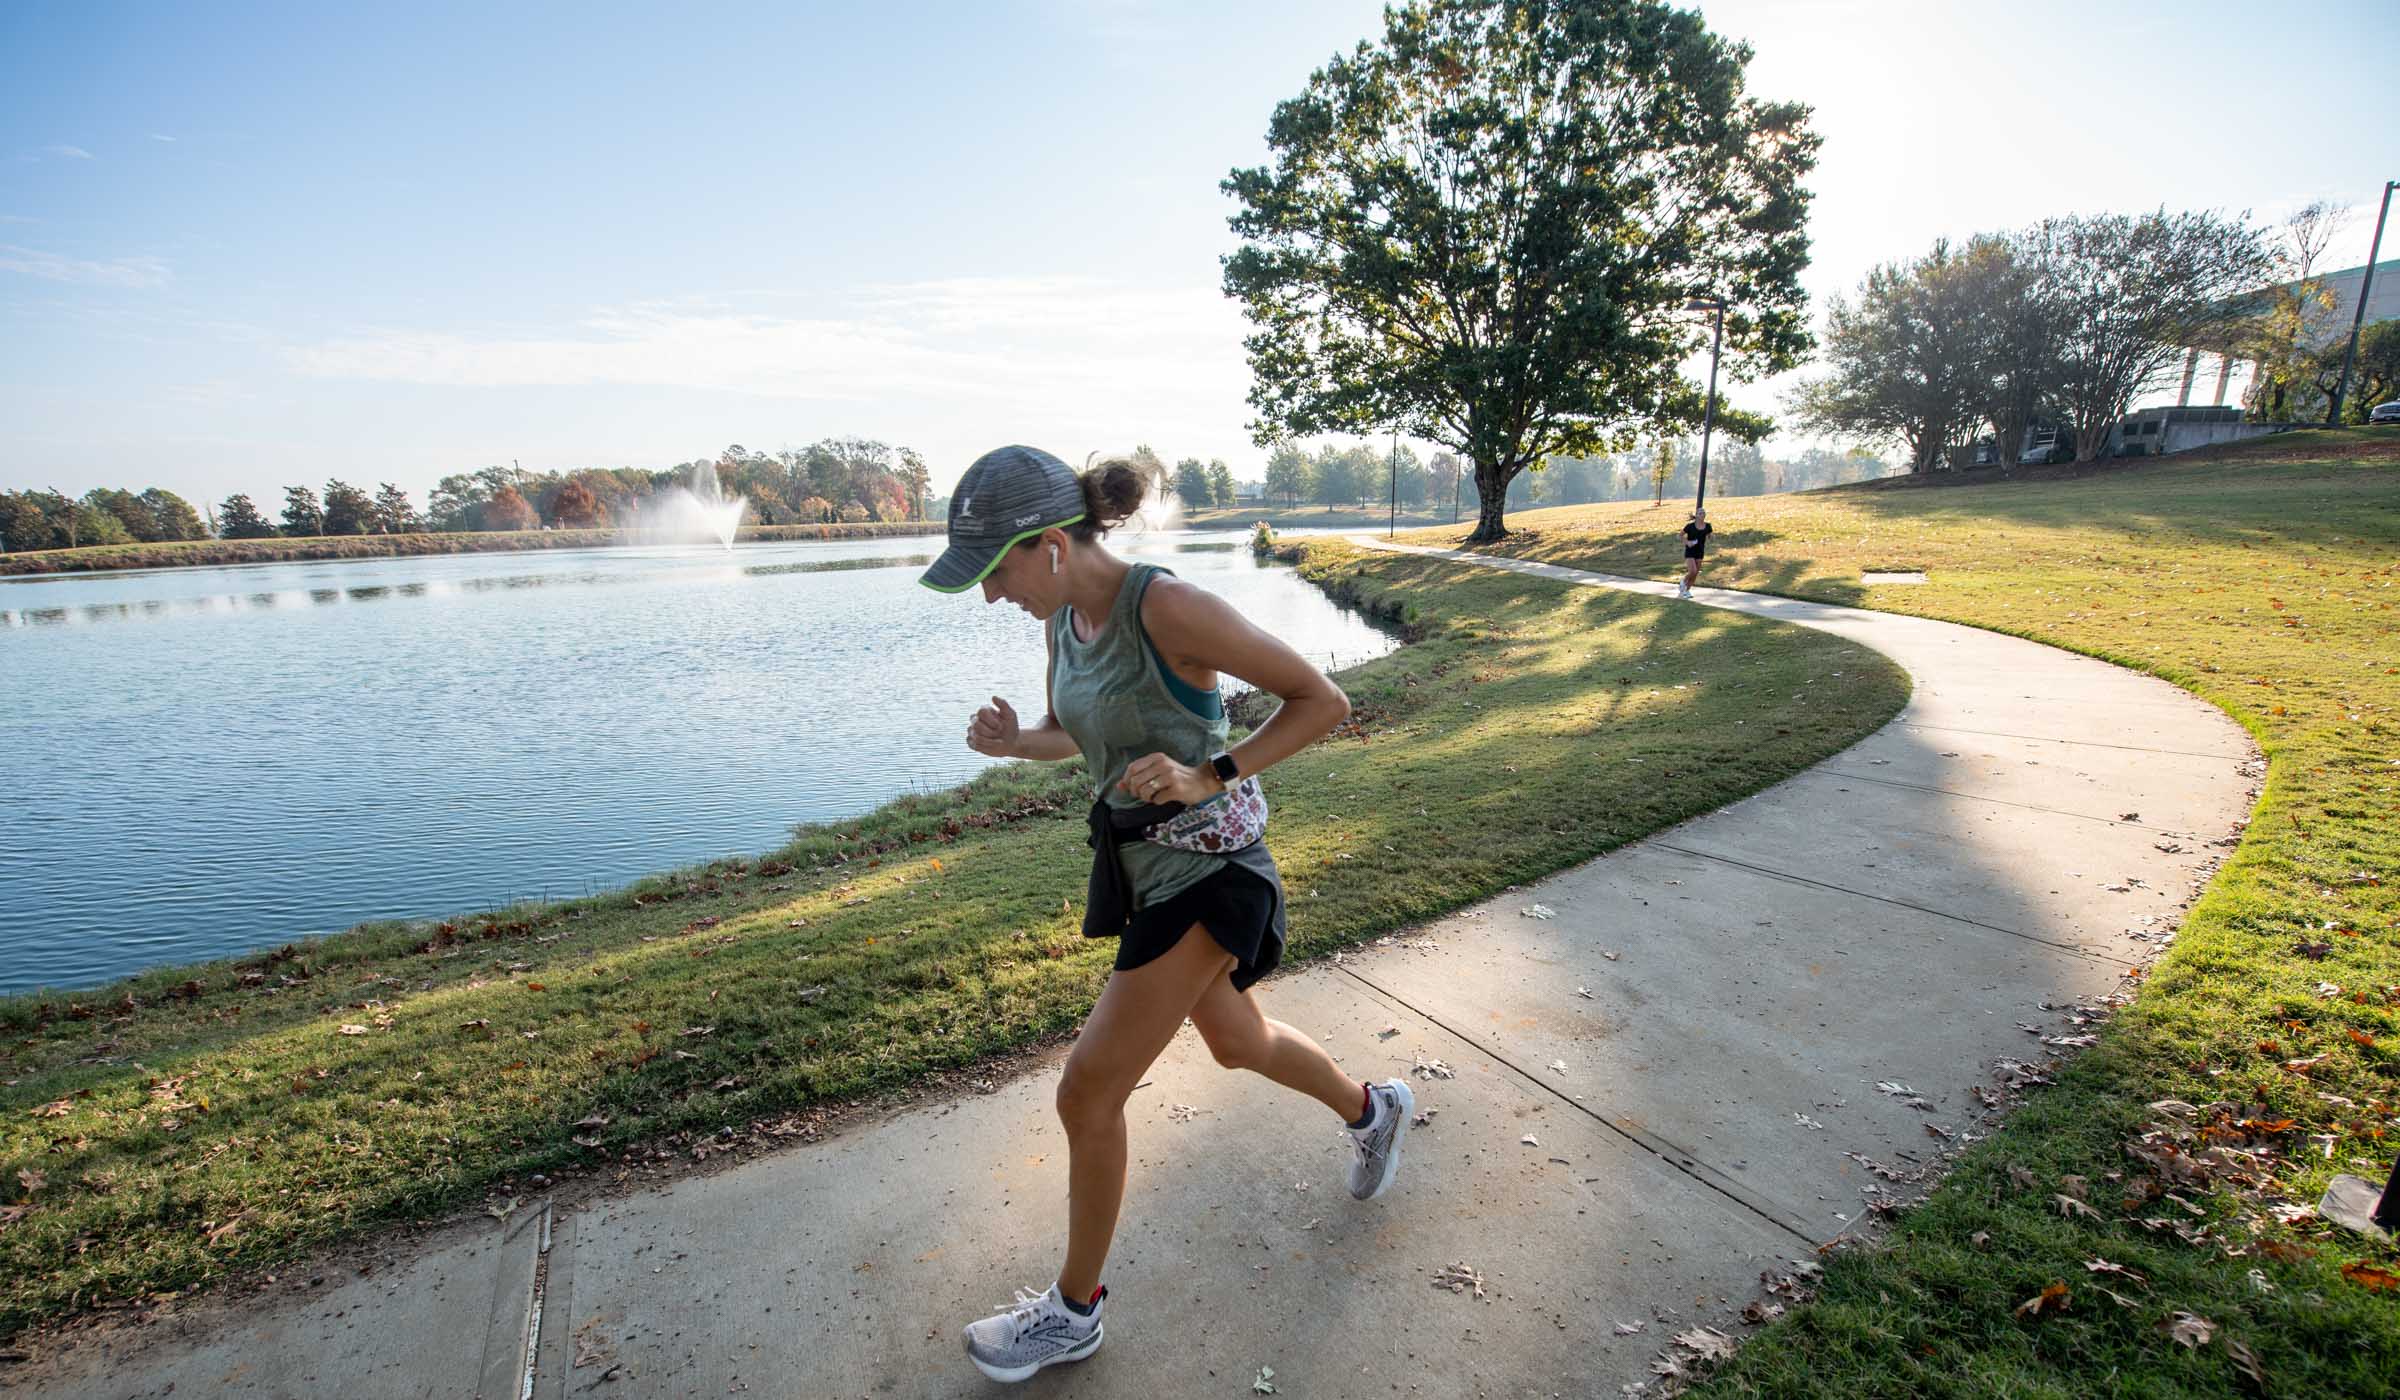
x: 202, y: 762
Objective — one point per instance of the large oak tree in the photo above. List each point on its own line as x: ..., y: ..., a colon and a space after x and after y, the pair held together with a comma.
x: 1484, y: 230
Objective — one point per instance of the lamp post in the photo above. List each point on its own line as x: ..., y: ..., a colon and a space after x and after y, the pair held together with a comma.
x: 2366, y: 284
x: 1704, y: 301
x: 1392, y: 516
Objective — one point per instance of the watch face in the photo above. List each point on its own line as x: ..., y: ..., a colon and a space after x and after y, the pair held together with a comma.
x: 1226, y: 770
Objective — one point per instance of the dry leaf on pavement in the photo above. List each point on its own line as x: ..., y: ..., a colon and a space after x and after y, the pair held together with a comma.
x: 1708, y: 1342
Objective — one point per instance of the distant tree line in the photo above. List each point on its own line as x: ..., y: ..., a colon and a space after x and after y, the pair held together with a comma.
x: 846, y: 480
x: 2065, y: 322
x: 32, y: 520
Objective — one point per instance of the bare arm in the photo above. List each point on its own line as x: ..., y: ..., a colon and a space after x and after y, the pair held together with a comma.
x: 1201, y: 636
x: 995, y: 729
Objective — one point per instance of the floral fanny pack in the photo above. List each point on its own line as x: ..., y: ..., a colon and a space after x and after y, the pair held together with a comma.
x: 1220, y: 826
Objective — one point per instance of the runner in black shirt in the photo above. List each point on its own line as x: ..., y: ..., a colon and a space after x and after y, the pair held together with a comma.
x: 1695, y: 543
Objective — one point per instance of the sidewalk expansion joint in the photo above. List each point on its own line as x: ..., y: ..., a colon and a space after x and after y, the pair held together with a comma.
x: 2070, y: 948
x: 1826, y: 770
x: 1676, y: 1157
x: 2053, y: 739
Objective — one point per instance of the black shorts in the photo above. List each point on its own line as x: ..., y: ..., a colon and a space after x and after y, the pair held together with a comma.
x: 1691, y: 554
x: 1234, y: 905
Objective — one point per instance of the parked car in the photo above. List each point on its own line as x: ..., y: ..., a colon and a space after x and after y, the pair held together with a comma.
x: 2385, y: 412
x: 2048, y: 445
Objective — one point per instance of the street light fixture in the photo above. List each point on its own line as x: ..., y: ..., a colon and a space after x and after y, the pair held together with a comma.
x: 2366, y: 284
x: 1705, y: 301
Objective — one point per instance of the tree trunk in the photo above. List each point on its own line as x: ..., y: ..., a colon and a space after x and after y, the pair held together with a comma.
x: 2090, y: 437
x: 1491, y: 493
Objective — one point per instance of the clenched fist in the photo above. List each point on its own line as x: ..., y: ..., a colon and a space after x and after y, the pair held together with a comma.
x: 994, y: 730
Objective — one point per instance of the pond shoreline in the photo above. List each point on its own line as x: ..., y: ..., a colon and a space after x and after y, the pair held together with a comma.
x: 219, y: 553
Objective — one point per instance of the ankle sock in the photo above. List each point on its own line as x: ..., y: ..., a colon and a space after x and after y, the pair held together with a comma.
x: 1366, y: 1116
x: 1082, y: 1309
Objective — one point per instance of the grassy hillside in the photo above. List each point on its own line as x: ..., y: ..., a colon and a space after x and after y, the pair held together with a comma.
x: 2263, y: 577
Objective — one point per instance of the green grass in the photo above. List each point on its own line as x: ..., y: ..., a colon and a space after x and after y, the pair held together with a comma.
x: 195, y: 1123
x: 276, y: 550
x: 2264, y: 578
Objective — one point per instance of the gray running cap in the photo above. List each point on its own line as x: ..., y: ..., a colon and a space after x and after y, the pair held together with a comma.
x: 1009, y: 494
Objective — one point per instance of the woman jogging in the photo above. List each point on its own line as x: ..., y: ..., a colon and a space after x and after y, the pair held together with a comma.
x: 1695, y: 543
x: 1180, y: 876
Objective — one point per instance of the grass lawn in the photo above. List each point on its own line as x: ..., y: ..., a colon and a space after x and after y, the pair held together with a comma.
x: 2263, y: 577
x: 192, y: 1124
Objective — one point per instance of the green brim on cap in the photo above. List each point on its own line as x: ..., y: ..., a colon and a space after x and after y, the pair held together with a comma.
x: 962, y: 566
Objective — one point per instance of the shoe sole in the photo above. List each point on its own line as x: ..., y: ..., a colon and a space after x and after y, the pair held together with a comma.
x: 1391, y: 1159
x: 1007, y: 1375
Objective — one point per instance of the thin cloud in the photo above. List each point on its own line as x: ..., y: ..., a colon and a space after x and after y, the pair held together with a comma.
x: 1062, y: 347
x: 115, y: 272
x: 68, y: 152
x: 156, y: 136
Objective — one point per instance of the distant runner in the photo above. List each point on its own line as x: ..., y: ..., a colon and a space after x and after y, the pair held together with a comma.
x: 1695, y: 543
x: 1180, y: 875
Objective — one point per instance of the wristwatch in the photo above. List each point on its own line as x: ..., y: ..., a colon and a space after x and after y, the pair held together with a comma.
x: 1226, y: 769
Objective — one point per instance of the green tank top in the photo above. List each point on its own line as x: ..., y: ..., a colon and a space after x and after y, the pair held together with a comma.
x: 1111, y: 695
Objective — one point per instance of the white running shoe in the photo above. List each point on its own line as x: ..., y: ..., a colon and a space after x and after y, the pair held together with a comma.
x: 1376, y: 1147
x: 1037, y: 1330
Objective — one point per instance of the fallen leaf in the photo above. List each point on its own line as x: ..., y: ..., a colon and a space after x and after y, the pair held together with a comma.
x: 2102, y: 1266
x: 32, y: 1180
x: 1530, y: 1140
x: 2246, y: 1361
x: 1538, y: 911
x: 2370, y: 1276
x: 354, y: 1030
x: 2052, y: 1298
x: 2188, y: 1329
x: 1708, y: 1342
x: 1559, y: 1065
x: 1265, y: 1384
x: 1627, y: 1329
x: 1459, y: 1278
x: 2069, y: 1206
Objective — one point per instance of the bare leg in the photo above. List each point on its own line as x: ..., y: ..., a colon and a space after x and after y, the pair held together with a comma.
x: 1139, y: 1012
x: 1240, y: 1036
x: 1691, y: 572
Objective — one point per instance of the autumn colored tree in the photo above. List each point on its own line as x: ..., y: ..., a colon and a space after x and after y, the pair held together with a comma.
x: 507, y: 510
x: 577, y: 508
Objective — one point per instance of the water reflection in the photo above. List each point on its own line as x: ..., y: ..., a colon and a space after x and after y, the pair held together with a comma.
x: 322, y: 597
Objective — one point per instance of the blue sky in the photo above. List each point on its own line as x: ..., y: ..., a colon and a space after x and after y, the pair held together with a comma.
x: 248, y: 245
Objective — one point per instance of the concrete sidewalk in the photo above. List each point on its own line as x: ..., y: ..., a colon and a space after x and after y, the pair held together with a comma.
x: 1666, y: 1088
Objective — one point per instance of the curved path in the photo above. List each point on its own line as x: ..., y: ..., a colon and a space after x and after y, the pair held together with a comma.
x: 1662, y: 1090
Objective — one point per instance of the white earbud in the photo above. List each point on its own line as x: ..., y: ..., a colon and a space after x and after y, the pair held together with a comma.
x: 1054, y: 559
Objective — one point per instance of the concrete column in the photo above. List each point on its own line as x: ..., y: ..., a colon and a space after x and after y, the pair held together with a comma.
x: 2224, y: 372
x: 2191, y: 361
